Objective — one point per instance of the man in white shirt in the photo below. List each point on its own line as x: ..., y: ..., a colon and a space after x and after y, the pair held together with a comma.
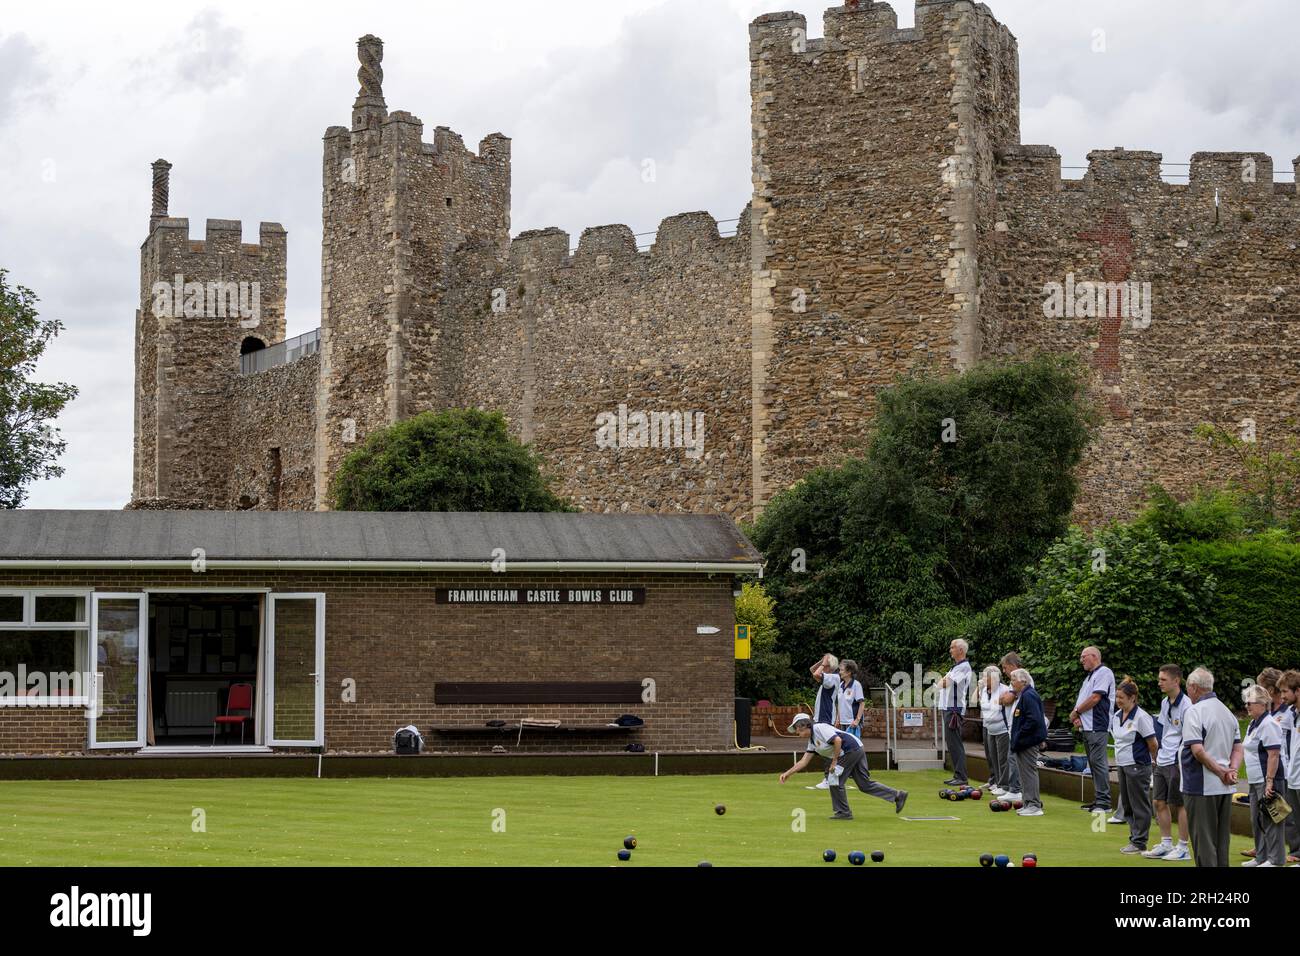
x: 847, y: 760
x: 1091, y: 715
x: 826, y: 672
x: 1168, y: 781
x: 954, y: 696
x: 1209, y: 757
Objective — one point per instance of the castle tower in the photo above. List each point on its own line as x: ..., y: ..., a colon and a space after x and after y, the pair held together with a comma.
x: 202, y: 304
x: 873, y: 154
x: 396, y: 210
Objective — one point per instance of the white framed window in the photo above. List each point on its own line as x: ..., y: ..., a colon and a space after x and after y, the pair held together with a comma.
x: 44, y: 647
x: 13, y: 607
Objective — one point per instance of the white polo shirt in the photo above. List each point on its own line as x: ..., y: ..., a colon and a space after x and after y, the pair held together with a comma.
x: 1131, y: 732
x: 1169, y: 728
x: 1215, y: 728
x: 823, y: 735
x: 957, y: 693
x: 1100, y: 680
x: 846, y: 702
x: 1262, y: 736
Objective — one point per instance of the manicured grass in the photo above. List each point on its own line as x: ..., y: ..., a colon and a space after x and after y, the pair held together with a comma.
x: 549, y: 821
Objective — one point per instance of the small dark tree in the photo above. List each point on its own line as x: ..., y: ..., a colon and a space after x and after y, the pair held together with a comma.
x: 30, y: 446
x: 458, y: 460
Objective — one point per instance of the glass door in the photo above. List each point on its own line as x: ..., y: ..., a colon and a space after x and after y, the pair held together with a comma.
x: 117, y: 641
x: 295, y: 654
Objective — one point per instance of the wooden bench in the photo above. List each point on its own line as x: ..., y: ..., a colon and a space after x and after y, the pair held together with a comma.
x: 514, y: 728
x: 537, y: 692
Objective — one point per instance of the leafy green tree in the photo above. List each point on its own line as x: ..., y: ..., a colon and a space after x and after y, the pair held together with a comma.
x: 883, y: 558
x: 767, y: 675
x: 30, y: 445
x: 978, y: 469
x: 457, y: 460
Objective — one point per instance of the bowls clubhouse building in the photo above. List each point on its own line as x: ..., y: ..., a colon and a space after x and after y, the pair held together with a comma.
x: 256, y: 631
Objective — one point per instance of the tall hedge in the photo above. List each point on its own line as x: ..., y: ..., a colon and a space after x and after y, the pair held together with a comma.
x: 1257, y: 605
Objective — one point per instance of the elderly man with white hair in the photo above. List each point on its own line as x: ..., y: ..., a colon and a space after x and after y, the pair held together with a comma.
x: 954, y: 694
x: 1209, y: 757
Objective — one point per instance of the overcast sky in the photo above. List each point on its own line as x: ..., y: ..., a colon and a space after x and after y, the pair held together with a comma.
x: 238, y: 95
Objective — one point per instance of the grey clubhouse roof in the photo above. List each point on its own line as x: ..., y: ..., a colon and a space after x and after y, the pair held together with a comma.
x: 397, y: 539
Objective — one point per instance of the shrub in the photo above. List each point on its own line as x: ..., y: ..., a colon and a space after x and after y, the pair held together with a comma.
x: 767, y: 675
x: 456, y: 460
x: 1132, y: 595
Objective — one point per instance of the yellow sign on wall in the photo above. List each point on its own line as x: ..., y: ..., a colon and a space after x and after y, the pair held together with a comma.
x: 742, y: 642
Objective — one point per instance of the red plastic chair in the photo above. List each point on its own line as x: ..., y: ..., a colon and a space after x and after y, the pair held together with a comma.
x: 240, y: 698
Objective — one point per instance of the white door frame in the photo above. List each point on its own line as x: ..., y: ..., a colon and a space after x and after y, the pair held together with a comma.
x: 142, y: 675
x: 318, y: 674
x: 259, y: 701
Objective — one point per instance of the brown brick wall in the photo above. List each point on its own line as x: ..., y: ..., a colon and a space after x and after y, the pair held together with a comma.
x: 385, y: 632
x: 42, y: 730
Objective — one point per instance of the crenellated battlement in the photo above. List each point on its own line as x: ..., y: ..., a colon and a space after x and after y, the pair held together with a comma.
x: 861, y: 26
x: 222, y: 235
x: 678, y: 237
x: 1239, y: 176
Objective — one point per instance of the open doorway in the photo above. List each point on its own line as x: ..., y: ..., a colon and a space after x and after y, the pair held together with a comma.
x: 205, y: 669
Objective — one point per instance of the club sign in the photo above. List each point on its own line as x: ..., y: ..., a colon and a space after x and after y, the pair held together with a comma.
x: 540, y: 595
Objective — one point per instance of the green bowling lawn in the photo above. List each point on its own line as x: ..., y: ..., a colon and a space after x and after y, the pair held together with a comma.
x: 548, y: 821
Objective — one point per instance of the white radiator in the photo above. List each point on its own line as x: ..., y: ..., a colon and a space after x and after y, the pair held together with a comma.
x: 191, y: 708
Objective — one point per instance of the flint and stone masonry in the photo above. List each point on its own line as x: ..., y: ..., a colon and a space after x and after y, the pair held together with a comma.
x: 897, y: 223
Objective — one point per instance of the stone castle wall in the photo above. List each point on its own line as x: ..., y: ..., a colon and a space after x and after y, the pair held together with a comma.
x: 896, y: 225
x: 1221, y: 341
x: 188, y: 364
x: 273, y: 466
x: 660, y: 331
x: 395, y: 210
x: 871, y: 153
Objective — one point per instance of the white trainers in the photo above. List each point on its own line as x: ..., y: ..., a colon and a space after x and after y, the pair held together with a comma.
x: 1131, y: 849
x: 1159, y: 851
x: 996, y: 791
x: 1029, y: 812
x: 1179, y: 854
x: 824, y: 785
x: 1115, y: 819
x: 1253, y: 863
x: 1266, y: 863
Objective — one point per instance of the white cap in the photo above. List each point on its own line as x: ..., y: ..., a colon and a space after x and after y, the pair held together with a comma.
x: 798, y: 719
